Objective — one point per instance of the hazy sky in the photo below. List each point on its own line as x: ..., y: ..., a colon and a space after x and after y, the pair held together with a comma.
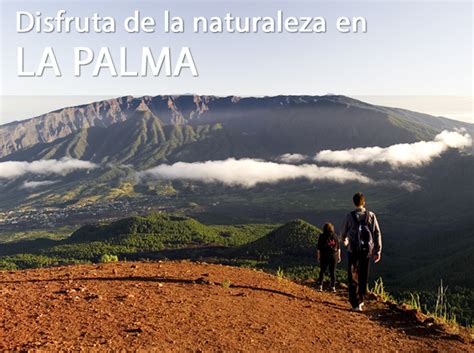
x: 410, y: 49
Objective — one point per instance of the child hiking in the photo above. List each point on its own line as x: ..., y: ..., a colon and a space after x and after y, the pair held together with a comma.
x: 328, y: 255
x: 361, y: 234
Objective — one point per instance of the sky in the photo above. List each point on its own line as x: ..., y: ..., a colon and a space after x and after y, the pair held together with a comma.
x: 414, y: 55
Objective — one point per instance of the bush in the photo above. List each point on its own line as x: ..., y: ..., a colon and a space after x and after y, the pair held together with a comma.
x: 7, y: 266
x: 108, y: 258
x: 226, y: 283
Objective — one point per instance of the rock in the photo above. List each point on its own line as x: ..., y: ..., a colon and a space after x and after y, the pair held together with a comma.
x: 201, y: 280
x: 393, y: 306
x: 61, y: 291
x: 92, y: 296
x: 429, y: 320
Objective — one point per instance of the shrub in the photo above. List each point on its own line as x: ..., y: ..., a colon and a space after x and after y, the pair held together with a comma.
x: 226, y: 283
x: 108, y: 258
x: 280, y: 275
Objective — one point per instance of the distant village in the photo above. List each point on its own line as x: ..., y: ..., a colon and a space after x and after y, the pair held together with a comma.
x: 47, y: 217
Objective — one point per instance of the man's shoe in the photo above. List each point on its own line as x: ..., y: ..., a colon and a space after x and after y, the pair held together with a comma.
x: 356, y: 308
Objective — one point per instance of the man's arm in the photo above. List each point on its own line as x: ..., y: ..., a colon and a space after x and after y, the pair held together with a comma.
x: 345, y: 230
x: 377, y: 238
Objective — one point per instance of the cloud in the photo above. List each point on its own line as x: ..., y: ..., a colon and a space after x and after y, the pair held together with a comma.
x: 249, y: 172
x: 36, y: 184
x: 292, y: 158
x: 409, y: 186
x: 405, y: 154
x: 14, y: 169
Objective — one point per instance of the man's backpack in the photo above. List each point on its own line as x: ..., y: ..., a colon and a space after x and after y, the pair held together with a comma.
x: 362, y: 239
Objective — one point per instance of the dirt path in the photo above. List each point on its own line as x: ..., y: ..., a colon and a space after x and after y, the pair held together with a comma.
x: 176, y: 306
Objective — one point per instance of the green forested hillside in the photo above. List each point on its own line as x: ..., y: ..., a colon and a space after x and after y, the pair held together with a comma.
x: 131, y: 236
x: 295, y: 238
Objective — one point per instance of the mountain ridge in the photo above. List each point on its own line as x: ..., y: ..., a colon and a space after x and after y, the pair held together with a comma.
x: 186, y: 110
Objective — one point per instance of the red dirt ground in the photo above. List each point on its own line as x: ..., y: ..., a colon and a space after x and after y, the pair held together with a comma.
x: 183, y: 306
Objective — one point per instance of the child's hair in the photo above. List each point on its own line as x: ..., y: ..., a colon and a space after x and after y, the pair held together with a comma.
x: 328, y: 228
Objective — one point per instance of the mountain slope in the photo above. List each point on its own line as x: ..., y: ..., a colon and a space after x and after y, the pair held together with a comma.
x: 275, y: 120
x: 295, y: 238
x: 142, y: 140
x: 170, y: 306
x: 250, y: 127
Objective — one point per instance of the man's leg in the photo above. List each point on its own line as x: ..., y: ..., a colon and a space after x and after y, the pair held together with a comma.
x: 353, y: 279
x: 364, y: 263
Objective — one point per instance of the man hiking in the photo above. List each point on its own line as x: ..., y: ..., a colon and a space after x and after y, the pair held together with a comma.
x: 361, y: 234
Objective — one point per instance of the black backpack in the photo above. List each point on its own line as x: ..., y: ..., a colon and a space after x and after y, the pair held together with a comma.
x: 362, y: 240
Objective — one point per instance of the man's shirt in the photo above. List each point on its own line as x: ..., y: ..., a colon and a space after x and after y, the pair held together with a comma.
x: 349, y: 225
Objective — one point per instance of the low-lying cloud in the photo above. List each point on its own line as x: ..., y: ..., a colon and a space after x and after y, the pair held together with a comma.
x: 249, y: 172
x: 14, y: 169
x: 409, y: 186
x: 292, y: 158
x: 36, y: 184
x: 404, y: 154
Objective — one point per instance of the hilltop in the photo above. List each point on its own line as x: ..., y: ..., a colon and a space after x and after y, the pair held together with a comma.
x: 295, y: 238
x: 195, y: 306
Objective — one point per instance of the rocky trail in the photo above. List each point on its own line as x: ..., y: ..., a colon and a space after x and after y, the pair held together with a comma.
x: 185, y: 306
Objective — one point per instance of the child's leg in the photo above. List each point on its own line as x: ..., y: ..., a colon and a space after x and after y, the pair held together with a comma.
x: 332, y: 270
x: 323, y: 267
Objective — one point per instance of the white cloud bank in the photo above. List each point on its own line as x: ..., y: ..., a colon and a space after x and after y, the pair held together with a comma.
x: 14, y: 169
x: 292, y: 158
x: 404, y: 154
x: 249, y: 172
x: 36, y: 184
